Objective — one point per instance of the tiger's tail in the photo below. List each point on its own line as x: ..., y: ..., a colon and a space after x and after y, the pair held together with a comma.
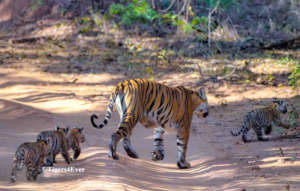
x: 109, y: 111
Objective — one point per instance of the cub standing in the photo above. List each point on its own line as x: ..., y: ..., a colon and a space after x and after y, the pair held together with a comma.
x: 30, y: 155
x: 262, y: 120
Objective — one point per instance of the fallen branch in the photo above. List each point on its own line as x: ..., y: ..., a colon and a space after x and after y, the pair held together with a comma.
x: 30, y: 39
x: 287, y: 44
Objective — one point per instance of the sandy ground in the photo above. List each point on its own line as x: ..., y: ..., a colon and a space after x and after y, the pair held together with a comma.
x: 31, y: 102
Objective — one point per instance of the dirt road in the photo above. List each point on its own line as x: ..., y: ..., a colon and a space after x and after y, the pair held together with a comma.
x: 32, y: 102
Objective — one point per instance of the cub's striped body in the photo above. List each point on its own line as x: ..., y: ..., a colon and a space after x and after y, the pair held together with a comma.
x: 58, y: 144
x: 154, y: 105
x: 74, y: 137
x: 262, y: 120
x: 30, y: 155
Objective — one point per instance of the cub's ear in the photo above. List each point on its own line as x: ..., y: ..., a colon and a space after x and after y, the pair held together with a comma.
x: 201, y: 93
x: 48, y: 141
x: 81, y: 129
x: 67, y: 129
x: 275, y: 100
x: 57, y: 128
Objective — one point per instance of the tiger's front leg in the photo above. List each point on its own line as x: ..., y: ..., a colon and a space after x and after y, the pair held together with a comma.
x: 182, y: 141
x: 158, y: 153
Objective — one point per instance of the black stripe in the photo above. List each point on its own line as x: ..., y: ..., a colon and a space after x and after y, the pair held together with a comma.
x: 149, y: 96
x: 180, y: 144
x: 162, y: 100
x: 158, y: 139
x: 151, y: 106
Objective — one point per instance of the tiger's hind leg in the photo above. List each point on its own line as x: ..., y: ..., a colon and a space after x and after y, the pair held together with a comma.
x: 127, y: 124
x: 260, y: 134
x: 128, y: 148
x: 158, y: 153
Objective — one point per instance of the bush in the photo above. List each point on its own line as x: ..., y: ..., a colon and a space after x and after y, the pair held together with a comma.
x: 294, y: 78
x: 137, y: 10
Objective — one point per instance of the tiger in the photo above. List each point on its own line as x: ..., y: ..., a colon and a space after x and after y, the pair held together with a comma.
x: 261, y: 120
x: 31, y: 155
x: 154, y: 105
x: 74, y: 137
x: 58, y: 144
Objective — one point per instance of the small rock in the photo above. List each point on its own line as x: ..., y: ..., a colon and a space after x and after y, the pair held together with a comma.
x: 255, y: 168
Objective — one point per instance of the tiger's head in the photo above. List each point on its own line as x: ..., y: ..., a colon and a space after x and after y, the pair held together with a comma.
x: 200, y: 101
x: 281, y: 105
x: 76, y: 132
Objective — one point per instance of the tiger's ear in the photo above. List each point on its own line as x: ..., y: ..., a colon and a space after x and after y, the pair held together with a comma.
x: 275, y: 100
x: 201, y: 93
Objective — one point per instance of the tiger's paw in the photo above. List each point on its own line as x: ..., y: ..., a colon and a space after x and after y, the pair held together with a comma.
x: 158, y: 155
x: 13, y: 179
x: 113, y: 156
x: 183, y: 165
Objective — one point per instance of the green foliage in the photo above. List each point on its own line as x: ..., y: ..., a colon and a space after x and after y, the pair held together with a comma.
x: 137, y: 10
x: 36, y: 4
x: 200, y: 23
x: 294, y: 78
x: 287, y: 60
x: 223, y: 4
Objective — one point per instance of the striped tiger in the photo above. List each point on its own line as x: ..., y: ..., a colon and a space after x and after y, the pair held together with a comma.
x: 154, y: 105
x: 261, y: 120
x: 30, y: 155
x: 58, y: 144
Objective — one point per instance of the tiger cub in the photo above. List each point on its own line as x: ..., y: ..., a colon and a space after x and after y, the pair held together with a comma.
x: 58, y: 144
x: 154, y: 105
x: 262, y: 120
x: 75, y: 136
x: 30, y: 155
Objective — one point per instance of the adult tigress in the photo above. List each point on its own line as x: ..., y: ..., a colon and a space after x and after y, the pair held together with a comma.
x: 154, y: 104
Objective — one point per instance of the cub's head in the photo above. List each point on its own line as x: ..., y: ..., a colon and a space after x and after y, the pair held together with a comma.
x: 46, y: 145
x: 280, y: 104
x: 61, y: 129
x: 76, y: 132
x: 200, y: 101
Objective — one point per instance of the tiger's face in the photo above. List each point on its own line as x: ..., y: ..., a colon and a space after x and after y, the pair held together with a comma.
x: 281, y: 105
x: 201, y: 100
